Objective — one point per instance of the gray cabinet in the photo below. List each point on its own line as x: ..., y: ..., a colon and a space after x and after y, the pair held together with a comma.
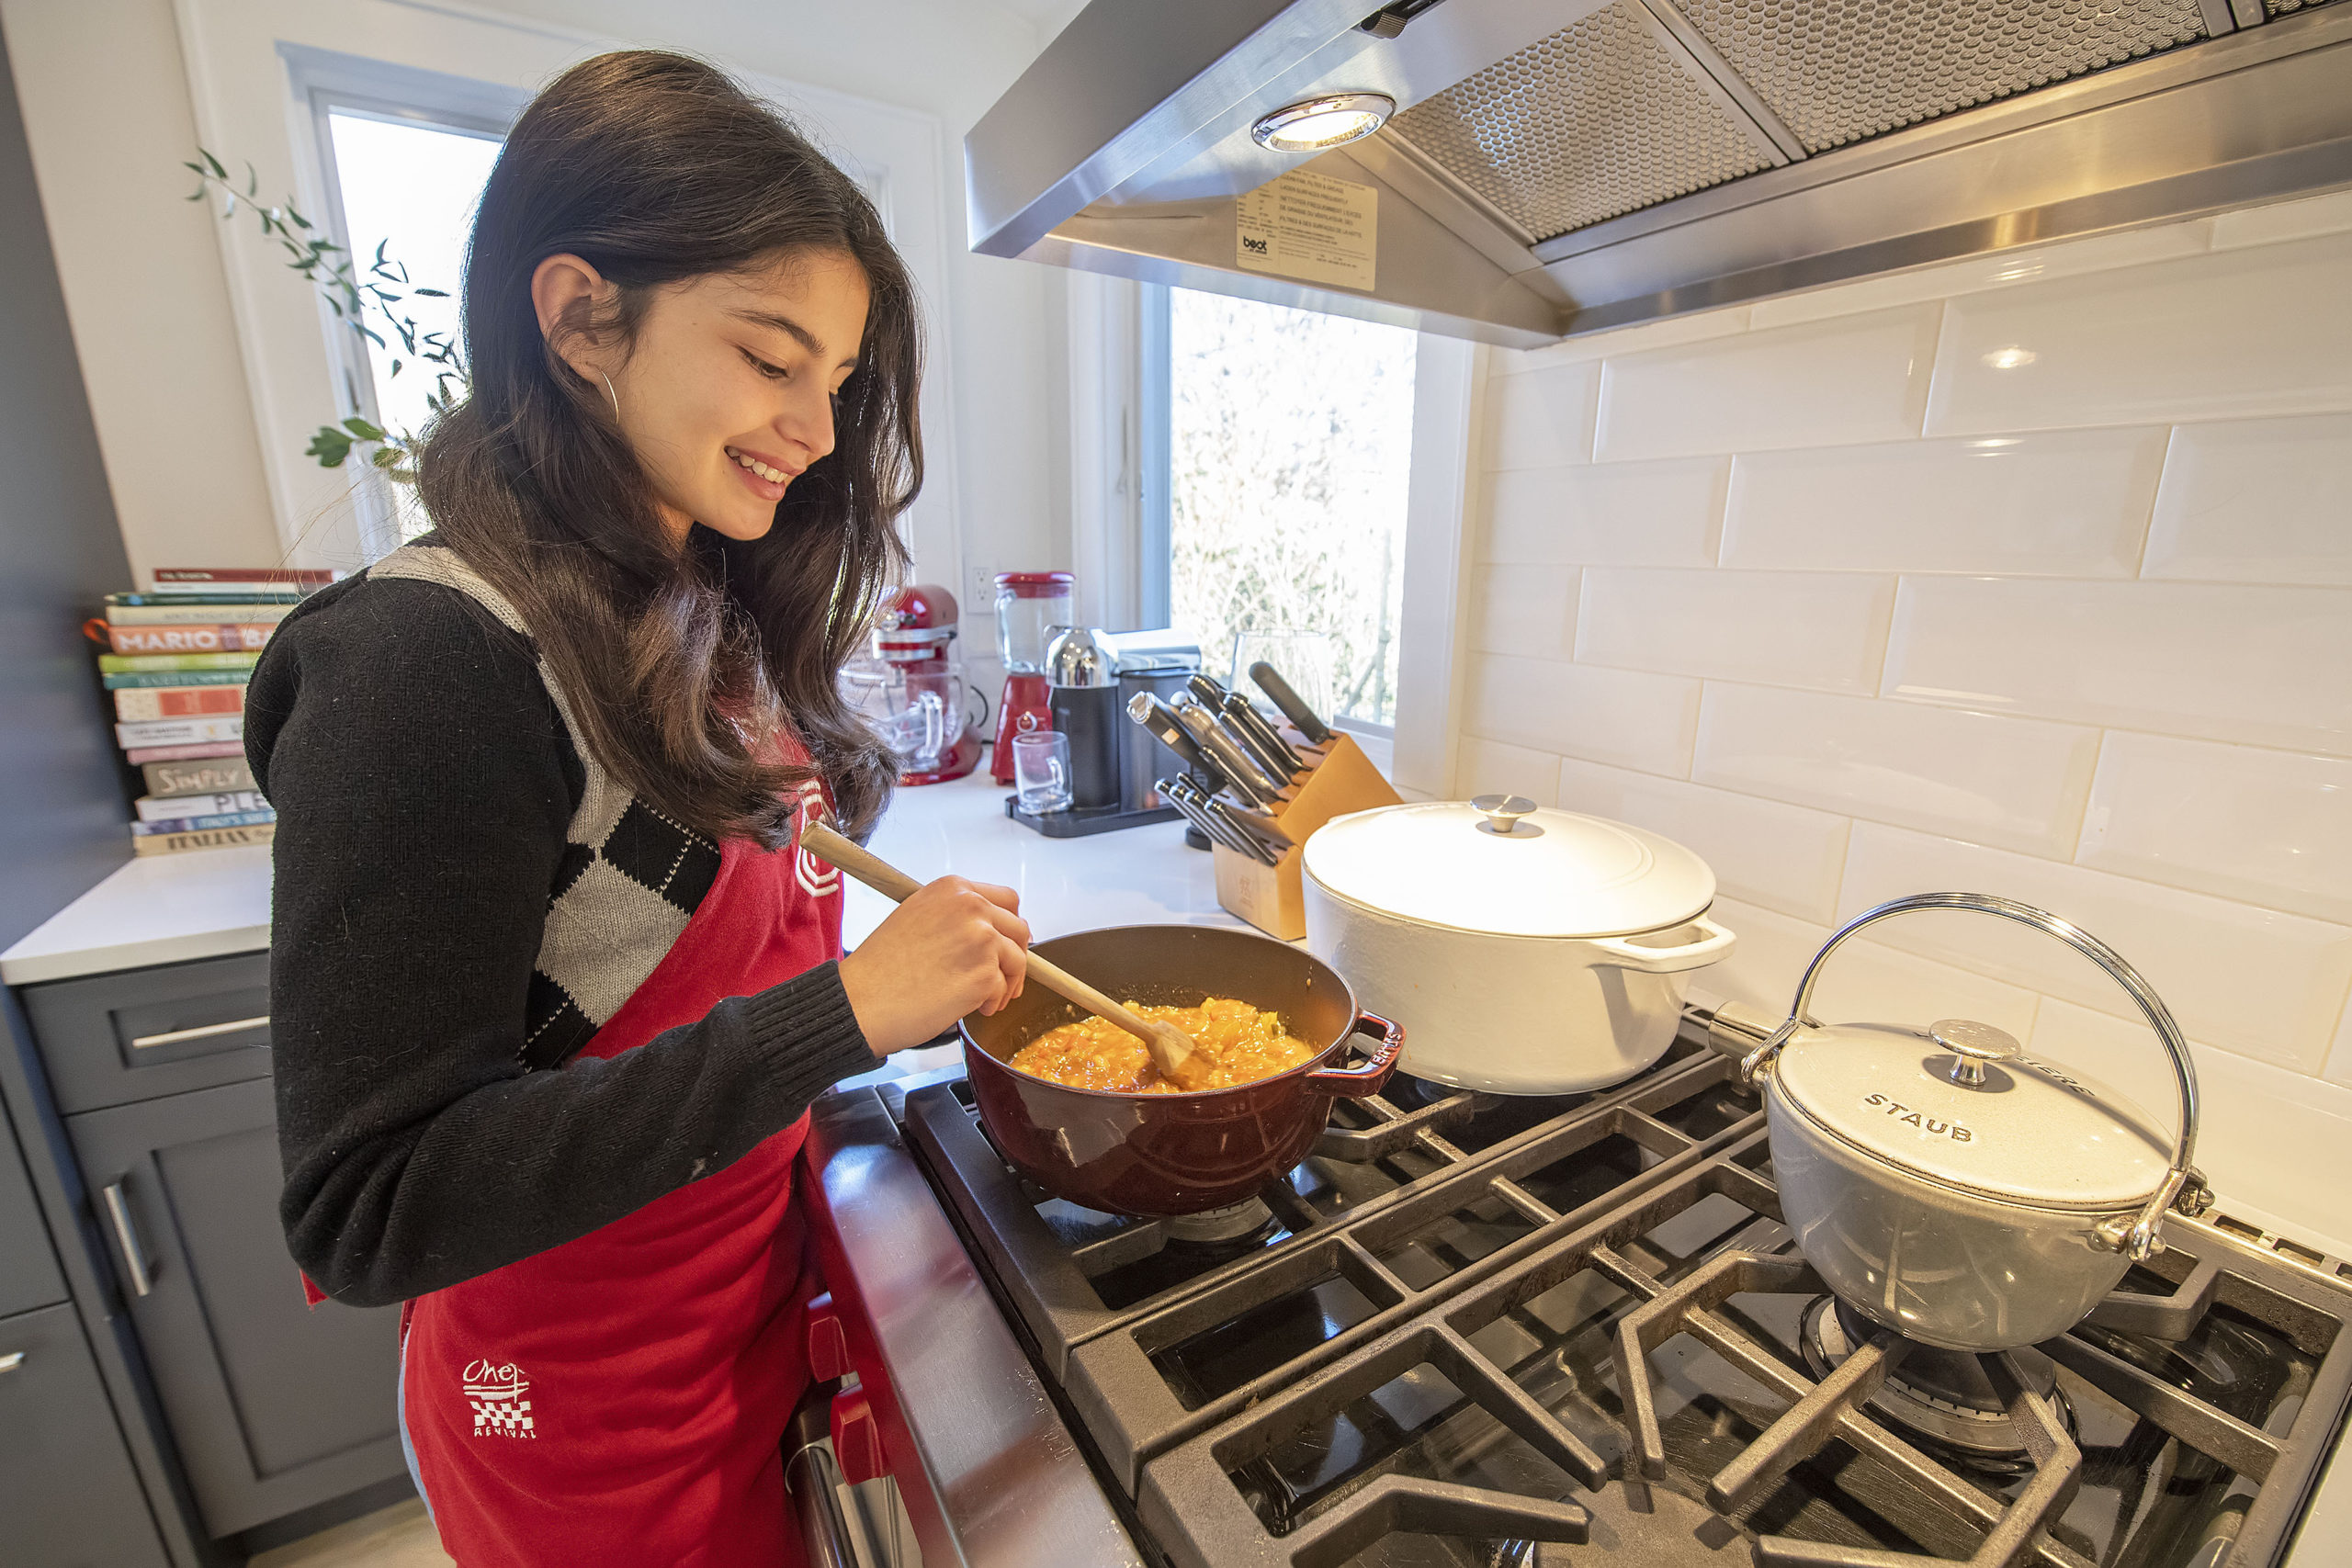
x: 29, y: 1276
x: 273, y: 1405
x: 112, y: 1039
x: 73, y: 1500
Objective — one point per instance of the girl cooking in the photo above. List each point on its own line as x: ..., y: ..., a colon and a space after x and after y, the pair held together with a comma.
x: 552, y: 988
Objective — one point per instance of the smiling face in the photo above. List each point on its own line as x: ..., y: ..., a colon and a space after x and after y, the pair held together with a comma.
x: 726, y: 391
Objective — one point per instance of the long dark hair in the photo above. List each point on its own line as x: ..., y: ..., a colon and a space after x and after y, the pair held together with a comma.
x: 679, y: 662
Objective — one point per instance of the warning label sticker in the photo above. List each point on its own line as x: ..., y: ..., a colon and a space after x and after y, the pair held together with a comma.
x: 1310, y: 227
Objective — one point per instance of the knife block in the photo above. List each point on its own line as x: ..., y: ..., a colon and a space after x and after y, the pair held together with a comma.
x: 1269, y: 897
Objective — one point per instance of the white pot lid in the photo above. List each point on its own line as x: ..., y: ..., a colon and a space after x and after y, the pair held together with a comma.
x: 2022, y: 1131
x: 1500, y: 865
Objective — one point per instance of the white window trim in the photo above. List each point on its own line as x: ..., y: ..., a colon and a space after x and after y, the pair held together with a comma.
x: 325, y: 82
x: 1109, y: 318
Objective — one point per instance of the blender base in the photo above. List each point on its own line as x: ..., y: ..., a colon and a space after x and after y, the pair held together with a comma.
x: 1081, y: 820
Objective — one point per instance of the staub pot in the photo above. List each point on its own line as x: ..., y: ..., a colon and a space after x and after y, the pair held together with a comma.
x: 1527, y: 950
x: 1951, y: 1187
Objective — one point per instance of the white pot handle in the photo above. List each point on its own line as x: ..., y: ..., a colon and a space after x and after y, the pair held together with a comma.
x: 1621, y: 953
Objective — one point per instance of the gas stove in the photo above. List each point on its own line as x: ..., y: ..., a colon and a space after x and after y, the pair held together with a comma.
x: 1470, y: 1330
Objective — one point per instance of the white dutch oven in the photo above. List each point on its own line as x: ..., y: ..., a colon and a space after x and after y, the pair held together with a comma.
x: 1526, y: 950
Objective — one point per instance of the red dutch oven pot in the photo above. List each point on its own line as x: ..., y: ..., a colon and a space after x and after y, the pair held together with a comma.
x: 1174, y: 1153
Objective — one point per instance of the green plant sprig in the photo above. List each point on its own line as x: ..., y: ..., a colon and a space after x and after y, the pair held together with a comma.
x: 355, y: 296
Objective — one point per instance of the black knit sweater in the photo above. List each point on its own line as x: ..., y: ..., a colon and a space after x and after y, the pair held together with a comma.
x: 425, y: 780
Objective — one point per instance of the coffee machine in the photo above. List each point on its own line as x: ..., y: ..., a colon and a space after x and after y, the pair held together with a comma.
x: 909, y: 685
x: 1091, y: 677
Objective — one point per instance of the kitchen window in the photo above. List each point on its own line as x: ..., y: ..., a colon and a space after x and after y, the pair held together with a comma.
x: 1277, y: 446
x: 402, y: 158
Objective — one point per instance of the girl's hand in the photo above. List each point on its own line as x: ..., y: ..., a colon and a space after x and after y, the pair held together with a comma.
x: 953, y: 947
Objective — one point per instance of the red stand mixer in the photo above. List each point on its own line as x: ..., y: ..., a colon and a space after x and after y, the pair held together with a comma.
x: 1029, y: 606
x: 911, y: 686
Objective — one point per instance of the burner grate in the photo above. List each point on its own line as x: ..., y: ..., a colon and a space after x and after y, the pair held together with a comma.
x: 1493, y: 1338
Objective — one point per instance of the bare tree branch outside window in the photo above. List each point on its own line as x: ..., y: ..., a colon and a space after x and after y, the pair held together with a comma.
x: 1289, y: 448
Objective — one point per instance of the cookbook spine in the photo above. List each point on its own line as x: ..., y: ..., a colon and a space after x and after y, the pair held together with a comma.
x: 197, y: 614
x: 209, y: 839
x: 186, y: 751
x: 156, y: 663
x: 244, y: 636
x: 179, y: 731
x: 305, y: 577
x: 203, y: 824
x: 200, y: 593
x: 173, y: 808
x: 138, y: 679
x: 198, y: 776
x: 141, y: 704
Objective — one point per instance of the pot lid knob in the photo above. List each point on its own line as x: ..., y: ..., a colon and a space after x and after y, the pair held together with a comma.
x: 1972, y: 1045
x: 1502, y: 813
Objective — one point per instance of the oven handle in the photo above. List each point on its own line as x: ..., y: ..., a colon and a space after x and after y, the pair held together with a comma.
x: 811, y: 1479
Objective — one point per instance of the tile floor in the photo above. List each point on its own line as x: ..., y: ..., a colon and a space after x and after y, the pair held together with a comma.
x: 398, y: 1537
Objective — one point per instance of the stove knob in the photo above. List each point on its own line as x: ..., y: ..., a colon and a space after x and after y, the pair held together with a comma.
x: 827, y: 1344
x: 857, y: 1438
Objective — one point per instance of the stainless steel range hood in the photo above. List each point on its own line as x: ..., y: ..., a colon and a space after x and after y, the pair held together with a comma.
x: 1559, y: 166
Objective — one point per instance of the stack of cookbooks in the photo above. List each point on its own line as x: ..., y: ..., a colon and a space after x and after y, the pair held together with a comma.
x: 178, y: 661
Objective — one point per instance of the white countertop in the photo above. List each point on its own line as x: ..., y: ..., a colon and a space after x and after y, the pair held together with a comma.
x: 152, y: 909
x: 206, y: 903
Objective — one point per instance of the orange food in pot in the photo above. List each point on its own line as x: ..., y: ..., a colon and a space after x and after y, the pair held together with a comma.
x: 1236, y: 1042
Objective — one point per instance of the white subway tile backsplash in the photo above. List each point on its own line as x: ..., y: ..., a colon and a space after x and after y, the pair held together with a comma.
x: 2020, y: 784
x: 2256, y: 501
x: 1524, y: 609
x: 1662, y: 513
x: 2029, y: 573
x: 2061, y: 504
x: 2258, y: 981
x: 2000, y: 269
x: 2267, y: 666
x: 1865, y: 982
x: 2339, y: 1055
x: 2272, y: 828
x: 1692, y: 328
x: 1784, y: 857
x: 1797, y: 629
x: 1855, y: 378
x: 1543, y: 417
x: 2327, y: 214
x: 1621, y: 717
x: 2236, y: 333
x: 1497, y: 767
x: 2270, y: 1141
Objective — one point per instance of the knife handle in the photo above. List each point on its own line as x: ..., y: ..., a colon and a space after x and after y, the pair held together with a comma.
x: 1269, y: 680
x: 1265, y: 742
x: 1229, y: 759
x: 1153, y: 716
x: 1275, y: 762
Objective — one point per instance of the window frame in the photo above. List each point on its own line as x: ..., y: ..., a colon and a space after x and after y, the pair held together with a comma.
x: 323, y: 84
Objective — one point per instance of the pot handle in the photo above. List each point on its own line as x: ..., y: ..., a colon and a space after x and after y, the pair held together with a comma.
x: 2142, y: 1237
x: 1622, y: 953
x: 1368, y: 1077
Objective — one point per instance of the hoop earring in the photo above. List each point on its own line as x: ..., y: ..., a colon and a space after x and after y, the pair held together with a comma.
x: 614, y: 395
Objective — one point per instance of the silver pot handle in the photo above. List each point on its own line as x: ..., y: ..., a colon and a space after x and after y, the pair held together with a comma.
x: 2143, y: 1237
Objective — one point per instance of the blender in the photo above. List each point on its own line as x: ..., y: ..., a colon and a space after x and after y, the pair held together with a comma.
x: 1029, y: 606
x: 911, y: 686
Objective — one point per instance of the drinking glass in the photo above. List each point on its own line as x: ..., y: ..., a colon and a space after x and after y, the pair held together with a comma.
x: 1041, y: 771
x: 1303, y: 658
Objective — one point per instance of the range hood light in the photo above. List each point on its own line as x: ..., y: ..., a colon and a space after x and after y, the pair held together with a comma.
x: 1314, y: 124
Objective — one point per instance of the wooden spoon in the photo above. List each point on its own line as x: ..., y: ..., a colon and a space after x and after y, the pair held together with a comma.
x: 1171, y: 1049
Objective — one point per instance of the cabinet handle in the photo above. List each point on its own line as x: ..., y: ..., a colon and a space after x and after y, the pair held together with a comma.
x: 203, y: 1032
x: 134, y: 1257
x: 11, y: 1361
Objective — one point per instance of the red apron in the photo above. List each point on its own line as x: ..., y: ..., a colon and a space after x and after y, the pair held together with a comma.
x: 620, y: 1398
